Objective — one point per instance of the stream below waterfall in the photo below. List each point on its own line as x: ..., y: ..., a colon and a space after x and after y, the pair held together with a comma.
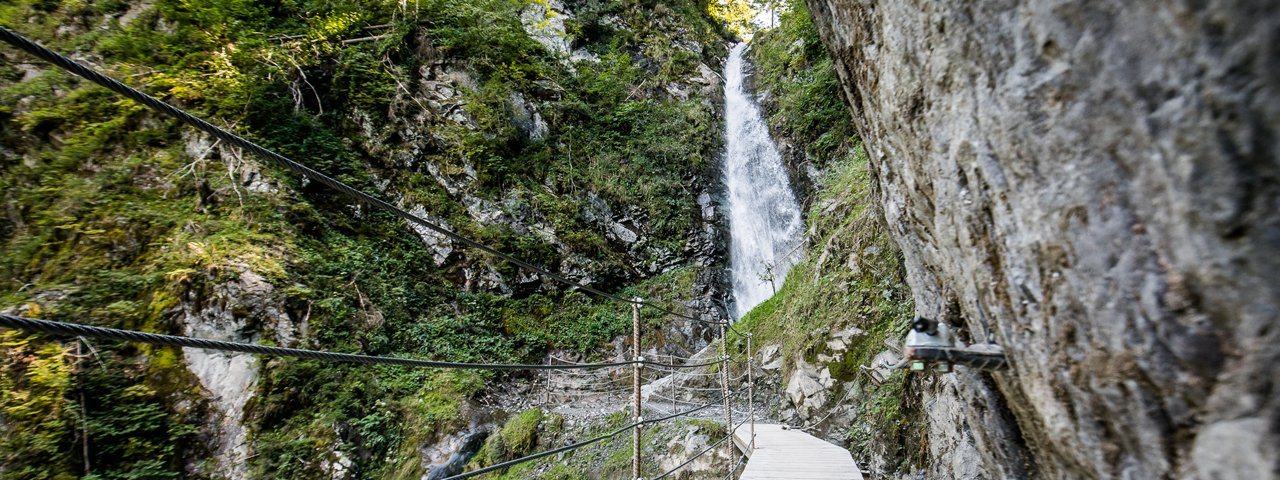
x: 765, y: 227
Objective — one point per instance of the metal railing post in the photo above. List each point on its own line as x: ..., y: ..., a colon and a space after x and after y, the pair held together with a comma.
x: 671, y: 359
x: 724, y: 391
x: 635, y: 386
x: 751, y: 393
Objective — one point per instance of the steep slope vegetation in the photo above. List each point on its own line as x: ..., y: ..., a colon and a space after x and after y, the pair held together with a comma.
x: 576, y: 135
x: 847, y: 297
x: 1094, y: 186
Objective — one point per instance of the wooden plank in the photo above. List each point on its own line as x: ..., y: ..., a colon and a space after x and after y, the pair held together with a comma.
x: 781, y: 453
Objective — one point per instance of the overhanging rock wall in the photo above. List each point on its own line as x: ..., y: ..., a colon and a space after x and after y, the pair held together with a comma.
x: 1095, y: 186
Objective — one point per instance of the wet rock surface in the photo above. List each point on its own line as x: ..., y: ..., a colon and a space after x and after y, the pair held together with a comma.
x: 1092, y: 185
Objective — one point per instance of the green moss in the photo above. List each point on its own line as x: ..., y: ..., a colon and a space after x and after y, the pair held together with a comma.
x: 823, y: 295
x: 515, y: 439
x: 119, y: 227
x: 609, y: 458
x: 852, y: 275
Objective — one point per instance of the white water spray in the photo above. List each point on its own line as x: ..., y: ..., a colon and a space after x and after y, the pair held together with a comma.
x: 764, y: 219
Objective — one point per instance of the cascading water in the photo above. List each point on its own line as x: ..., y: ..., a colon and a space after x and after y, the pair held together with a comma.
x: 764, y: 217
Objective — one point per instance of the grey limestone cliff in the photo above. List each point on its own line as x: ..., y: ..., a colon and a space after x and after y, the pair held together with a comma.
x: 1092, y: 185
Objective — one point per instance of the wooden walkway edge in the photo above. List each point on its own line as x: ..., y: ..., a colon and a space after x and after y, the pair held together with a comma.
x: 783, y: 453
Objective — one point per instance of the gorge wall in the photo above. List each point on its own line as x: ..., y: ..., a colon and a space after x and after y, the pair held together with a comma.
x: 1093, y: 186
x: 581, y: 136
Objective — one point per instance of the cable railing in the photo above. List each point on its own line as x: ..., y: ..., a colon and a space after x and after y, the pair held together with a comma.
x: 71, y: 66
x: 637, y: 363
x: 614, y: 433
x: 709, y: 448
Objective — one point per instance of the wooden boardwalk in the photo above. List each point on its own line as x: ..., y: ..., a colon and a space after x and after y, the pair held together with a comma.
x: 793, y: 455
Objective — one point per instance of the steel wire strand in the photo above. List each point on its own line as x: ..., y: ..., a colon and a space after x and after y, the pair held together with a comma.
x: 659, y: 405
x: 741, y: 460
x: 657, y: 365
x: 676, y: 376
x: 692, y: 410
x: 572, y: 372
x: 574, y: 446
x: 581, y: 444
x: 583, y: 391
x: 570, y: 399
x: 669, y: 399
x: 695, y: 457
x: 589, y: 386
x: 691, y: 374
x: 592, y: 387
x: 700, y: 454
x: 57, y: 59
x: 73, y: 329
x: 666, y: 399
x: 592, y: 377
x: 672, y: 367
x: 694, y: 389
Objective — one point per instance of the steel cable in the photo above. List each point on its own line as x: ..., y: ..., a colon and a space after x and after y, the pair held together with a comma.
x: 673, y: 371
x: 57, y: 59
x: 655, y: 365
x: 741, y: 460
x: 74, y: 329
x: 695, y: 457
x: 700, y: 454
x: 581, y: 444
x: 536, y: 456
x: 588, y: 386
x: 69, y: 329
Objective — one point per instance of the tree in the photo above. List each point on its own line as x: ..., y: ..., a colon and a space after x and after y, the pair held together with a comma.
x: 736, y: 14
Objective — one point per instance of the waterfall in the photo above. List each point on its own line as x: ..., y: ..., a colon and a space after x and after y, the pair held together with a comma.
x: 764, y: 218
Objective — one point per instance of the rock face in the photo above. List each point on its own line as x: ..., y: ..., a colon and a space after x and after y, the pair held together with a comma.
x: 1094, y: 186
x: 232, y: 311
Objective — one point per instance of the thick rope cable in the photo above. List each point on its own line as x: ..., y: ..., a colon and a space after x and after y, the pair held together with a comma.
x: 74, y: 329
x: 57, y: 59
